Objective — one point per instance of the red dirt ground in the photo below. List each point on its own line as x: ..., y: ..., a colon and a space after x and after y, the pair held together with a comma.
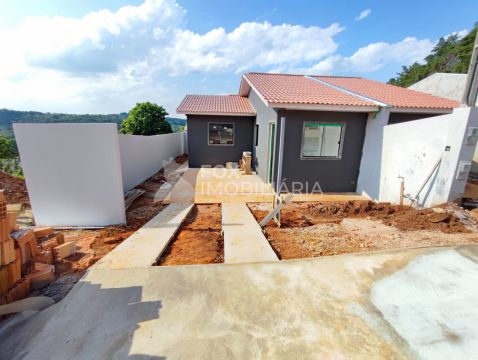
x: 199, y: 240
x: 15, y: 189
x: 319, y: 229
x: 92, y: 245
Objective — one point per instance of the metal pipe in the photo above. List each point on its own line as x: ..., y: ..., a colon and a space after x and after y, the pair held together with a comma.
x: 415, y: 198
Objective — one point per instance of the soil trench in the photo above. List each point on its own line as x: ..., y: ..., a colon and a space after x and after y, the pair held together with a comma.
x: 320, y: 229
x: 199, y: 239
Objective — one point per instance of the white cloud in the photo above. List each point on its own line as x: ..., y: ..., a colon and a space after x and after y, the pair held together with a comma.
x: 363, y: 14
x: 83, y: 64
x: 373, y: 57
x: 107, y: 61
x: 459, y: 34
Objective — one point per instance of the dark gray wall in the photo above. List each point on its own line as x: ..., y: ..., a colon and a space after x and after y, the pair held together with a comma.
x: 201, y: 153
x: 396, y: 118
x: 333, y: 175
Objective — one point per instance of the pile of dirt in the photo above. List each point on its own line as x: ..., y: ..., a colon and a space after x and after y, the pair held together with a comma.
x: 331, y: 228
x: 181, y: 159
x: 401, y: 217
x: 199, y: 240
x: 15, y: 189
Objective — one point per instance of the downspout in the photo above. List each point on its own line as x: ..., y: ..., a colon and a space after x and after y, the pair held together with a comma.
x: 471, y: 88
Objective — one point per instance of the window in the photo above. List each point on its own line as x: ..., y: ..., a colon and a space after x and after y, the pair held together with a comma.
x: 320, y: 140
x: 221, y: 134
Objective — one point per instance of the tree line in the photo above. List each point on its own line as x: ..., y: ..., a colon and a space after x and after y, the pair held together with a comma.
x: 450, y: 55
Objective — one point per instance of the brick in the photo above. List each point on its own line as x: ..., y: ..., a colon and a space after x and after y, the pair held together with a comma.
x: 42, y: 275
x: 4, y: 230
x: 61, y: 238
x: 44, y: 256
x: 42, y: 231
x: 12, y: 221
x: 7, y: 252
x: 4, y: 285
x: 14, y: 272
x: 48, y: 242
x: 64, y: 250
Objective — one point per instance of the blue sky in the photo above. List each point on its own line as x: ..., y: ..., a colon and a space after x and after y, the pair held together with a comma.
x: 104, y: 56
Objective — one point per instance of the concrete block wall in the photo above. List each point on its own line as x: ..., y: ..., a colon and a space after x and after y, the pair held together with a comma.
x: 73, y: 173
x: 142, y: 156
x: 411, y: 150
x: 76, y: 174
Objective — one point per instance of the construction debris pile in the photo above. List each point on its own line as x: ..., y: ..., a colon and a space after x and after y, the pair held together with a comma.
x: 27, y: 256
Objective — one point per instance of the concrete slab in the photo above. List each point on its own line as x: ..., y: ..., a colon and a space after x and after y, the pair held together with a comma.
x: 325, y: 197
x: 387, y: 305
x: 243, y: 238
x: 147, y: 244
x: 217, y: 185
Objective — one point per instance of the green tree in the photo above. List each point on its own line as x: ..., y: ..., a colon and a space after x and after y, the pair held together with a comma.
x: 8, y: 147
x: 146, y: 119
x: 451, y: 55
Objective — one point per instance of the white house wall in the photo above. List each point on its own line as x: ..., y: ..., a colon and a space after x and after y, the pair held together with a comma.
x: 368, y: 182
x: 72, y: 172
x: 411, y: 150
x: 142, y: 156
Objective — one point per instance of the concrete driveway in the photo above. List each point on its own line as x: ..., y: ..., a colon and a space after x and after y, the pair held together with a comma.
x: 419, y: 303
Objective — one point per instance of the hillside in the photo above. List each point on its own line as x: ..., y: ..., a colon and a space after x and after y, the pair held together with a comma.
x: 450, y: 55
x: 7, y: 117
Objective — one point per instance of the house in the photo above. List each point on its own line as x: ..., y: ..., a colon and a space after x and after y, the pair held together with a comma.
x: 450, y: 86
x: 331, y: 127
x: 447, y: 85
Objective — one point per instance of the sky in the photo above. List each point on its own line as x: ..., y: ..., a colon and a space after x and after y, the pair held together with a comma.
x: 93, y: 56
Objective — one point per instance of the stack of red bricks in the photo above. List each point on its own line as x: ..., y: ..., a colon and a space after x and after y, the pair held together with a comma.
x: 27, y: 256
x: 12, y: 286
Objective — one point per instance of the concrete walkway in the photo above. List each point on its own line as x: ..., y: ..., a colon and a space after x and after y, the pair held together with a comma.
x: 243, y: 238
x: 409, y: 304
x: 218, y: 185
x: 146, y: 245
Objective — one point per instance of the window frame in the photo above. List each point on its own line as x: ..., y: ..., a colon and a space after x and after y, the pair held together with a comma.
x: 222, y: 123
x: 341, y: 146
x: 256, y: 135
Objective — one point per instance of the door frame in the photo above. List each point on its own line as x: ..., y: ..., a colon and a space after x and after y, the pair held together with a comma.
x: 271, y: 151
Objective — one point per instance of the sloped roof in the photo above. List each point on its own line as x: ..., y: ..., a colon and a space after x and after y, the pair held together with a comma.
x: 298, y: 89
x: 216, y: 104
x: 389, y: 94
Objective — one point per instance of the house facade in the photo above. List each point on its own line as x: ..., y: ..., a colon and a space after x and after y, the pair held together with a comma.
x: 303, y: 130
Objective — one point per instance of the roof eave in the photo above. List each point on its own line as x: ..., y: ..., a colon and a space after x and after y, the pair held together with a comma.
x: 325, y: 107
x: 210, y: 113
x: 421, y: 110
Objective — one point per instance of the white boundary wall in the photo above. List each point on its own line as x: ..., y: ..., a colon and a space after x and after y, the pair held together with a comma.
x: 76, y: 174
x: 72, y: 172
x: 142, y: 156
x: 411, y: 149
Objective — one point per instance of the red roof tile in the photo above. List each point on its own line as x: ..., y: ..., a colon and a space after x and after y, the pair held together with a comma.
x: 389, y: 94
x: 298, y: 89
x: 211, y: 104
